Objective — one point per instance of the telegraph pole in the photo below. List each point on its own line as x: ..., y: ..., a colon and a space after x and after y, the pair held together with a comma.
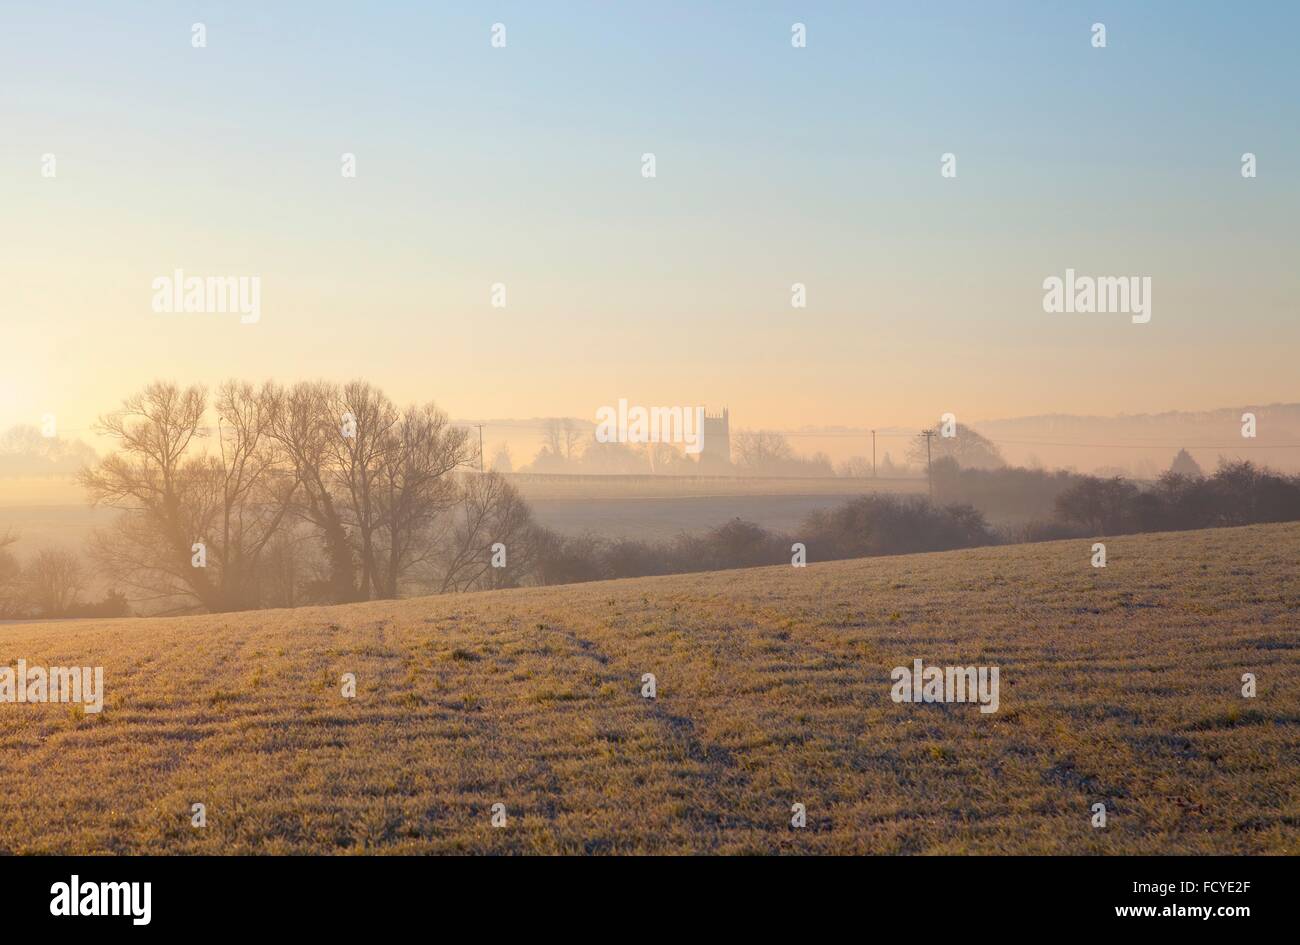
x: 929, y: 475
x: 480, y: 446
x: 873, y: 454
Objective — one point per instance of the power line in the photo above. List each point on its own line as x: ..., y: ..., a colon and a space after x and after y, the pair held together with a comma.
x: 1156, y: 446
x: 929, y: 472
x: 480, y: 445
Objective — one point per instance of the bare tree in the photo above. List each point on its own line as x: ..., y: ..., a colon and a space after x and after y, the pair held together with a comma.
x: 373, y: 480
x: 414, y: 488
x: 561, y: 437
x: 665, y: 458
x: 11, y: 589
x: 491, y: 512
x: 337, y: 464
x: 288, y: 567
x: 970, y: 449
x: 760, y: 450
x: 857, y: 467
x: 306, y: 422
x: 164, y: 496
x: 230, y: 502
x: 53, y: 581
x: 357, y: 460
x: 254, y: 498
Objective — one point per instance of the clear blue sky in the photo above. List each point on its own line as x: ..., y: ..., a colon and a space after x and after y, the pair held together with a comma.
x: 775, y: 165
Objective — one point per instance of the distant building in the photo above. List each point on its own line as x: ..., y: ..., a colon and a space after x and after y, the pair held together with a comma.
x: 715, y: 454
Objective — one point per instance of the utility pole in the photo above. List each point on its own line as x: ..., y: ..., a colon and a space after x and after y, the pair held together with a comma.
x: 480, y: 446
x: 929, y: 475
x: 873, y: 454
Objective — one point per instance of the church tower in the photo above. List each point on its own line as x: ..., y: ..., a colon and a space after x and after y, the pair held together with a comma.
x: 716, y: 452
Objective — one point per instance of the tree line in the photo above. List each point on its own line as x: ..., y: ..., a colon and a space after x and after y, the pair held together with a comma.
x: 324, y: 493
x: 311, y: 493
x: 1057, y: 505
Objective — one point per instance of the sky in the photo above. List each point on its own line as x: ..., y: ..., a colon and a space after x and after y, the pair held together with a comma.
x: 775, y: 165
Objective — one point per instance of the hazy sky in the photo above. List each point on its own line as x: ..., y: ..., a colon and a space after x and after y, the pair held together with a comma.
x: 775, y: 165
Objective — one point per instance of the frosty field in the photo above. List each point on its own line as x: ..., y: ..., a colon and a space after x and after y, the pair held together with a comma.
x: 1120, y: 686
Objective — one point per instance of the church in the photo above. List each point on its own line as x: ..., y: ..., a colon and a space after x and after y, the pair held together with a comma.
x: 715, y: 457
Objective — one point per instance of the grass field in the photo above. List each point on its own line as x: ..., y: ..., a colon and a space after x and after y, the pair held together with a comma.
x: 664, y: 518
x: 1119, y: 686
x: 535, y: 487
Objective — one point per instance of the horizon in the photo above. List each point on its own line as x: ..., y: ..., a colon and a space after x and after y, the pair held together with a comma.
x: 1045, y: 447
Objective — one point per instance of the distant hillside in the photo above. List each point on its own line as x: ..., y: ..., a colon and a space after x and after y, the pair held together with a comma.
x: 1138, y: 445
x: 25, y: 452
x: 1145, y: 444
